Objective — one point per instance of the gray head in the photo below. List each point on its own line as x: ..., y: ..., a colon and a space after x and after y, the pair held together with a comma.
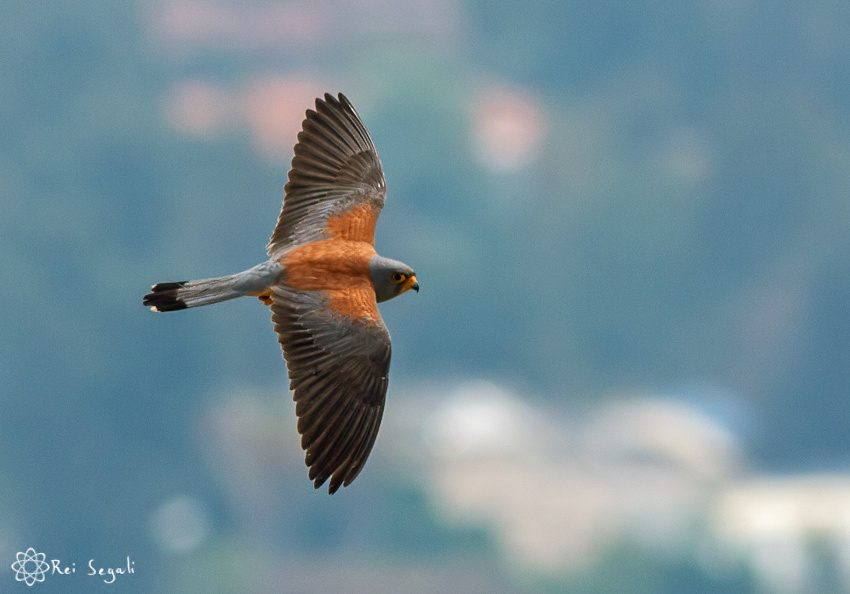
x: 391, y: 278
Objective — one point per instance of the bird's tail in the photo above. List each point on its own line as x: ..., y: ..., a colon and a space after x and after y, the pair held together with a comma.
x: 181, y: 295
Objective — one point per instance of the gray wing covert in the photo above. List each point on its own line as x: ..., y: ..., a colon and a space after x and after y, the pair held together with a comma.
x: 338, y: 370
x: 335, y: 167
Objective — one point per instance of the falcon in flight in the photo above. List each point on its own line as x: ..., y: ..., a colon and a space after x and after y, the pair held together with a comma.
x: 323, y: 281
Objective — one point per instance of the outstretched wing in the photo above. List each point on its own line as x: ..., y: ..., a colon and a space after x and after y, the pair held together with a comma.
x: 338, y: 370
x: 335, y: 168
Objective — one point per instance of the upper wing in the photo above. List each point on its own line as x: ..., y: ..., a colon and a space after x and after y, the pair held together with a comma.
x: 335, y: 168
x: 338, y: 368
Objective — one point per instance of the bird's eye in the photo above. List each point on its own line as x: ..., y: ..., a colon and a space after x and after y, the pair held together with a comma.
x: 398, y: 277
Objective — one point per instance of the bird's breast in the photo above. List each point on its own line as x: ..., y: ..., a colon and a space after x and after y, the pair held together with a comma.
x: 329, y: 265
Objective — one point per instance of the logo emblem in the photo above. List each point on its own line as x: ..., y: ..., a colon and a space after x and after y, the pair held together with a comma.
x: 30, y: 567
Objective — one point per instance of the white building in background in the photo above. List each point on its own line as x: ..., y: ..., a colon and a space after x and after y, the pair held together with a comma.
x: 556, y: 496
x: 558, y: 493
x: 795, y: 530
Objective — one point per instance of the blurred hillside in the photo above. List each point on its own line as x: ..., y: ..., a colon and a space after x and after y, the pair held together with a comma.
x: 631, y: 227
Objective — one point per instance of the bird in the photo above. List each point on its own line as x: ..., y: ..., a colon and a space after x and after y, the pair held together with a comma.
x: 323, y: 281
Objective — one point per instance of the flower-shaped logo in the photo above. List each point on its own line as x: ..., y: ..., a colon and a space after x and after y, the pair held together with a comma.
x: 30, y: 567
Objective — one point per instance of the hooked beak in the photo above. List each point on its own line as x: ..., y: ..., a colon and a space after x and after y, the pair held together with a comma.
x: 412, y: 283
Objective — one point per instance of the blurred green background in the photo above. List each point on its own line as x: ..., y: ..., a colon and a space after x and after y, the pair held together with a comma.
x: 627, y: 369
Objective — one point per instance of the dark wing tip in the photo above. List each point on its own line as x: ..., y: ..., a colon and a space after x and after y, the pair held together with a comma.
x: 338, y: 99
x: 341, y: 455
x: 342, y: 107
x: 317, y: 484
x: 164, y: 297
x: 331, y: 454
